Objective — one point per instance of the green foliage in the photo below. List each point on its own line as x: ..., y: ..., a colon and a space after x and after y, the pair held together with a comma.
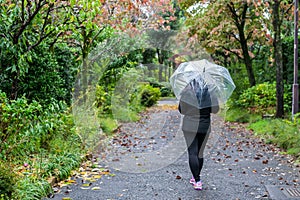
x: 288, y: 59
x: 65, y: 57
x: 30, y: 188
x: 262, y: 99
x: 283, y: 133
x: 165, y: 87
x: 44, y: 81
x: 240, y: 115
x: 126, y: 104
x: 118, y: 67
x: 42, y: 137
x: 126, y: 115
x: 240, y: 78
x: 24, y: 27
x: 49, y: 76
x: 108, y: 124
x: 7, y: 180
x: 103, y: 99
x: 166, y: 92
x: 60, y: 165
x: 262, y: 66
x: 149, y: 95
x: 17, y: 125
x: 27, y: 127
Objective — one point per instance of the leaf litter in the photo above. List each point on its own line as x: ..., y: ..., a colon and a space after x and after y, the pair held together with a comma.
x: 125, y: 140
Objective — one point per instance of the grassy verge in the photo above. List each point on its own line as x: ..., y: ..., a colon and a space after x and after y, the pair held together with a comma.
x: 43, y: 145
x: 37, y: 143
x: 281, y: 132
x: 285, y: 134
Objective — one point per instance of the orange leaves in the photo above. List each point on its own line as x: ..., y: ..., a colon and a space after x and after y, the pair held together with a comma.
x: 119, y: 13
x: 144, y: 1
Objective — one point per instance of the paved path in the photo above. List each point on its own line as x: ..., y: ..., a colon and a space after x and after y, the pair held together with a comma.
x: 148, y: 161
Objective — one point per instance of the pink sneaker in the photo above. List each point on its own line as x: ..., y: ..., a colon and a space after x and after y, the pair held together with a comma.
x: 198, y: 185
x: 192, y: 181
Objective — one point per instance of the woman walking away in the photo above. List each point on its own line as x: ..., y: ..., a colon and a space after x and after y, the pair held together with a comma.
x: 196, y: 125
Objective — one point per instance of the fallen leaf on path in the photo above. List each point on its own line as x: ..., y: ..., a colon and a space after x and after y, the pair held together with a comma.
x: 97, y: 176
x: 96, y: 188
x: 265, y: 161
x: 86, y: 184
x: 71, y: 181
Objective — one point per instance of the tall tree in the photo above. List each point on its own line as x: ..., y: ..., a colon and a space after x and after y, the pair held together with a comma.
x: 278, y: 56
x: 229, y: 26
x: 280, y: 10
x: 24, y: 25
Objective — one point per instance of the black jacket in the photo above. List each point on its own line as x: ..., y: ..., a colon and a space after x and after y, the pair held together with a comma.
x: 195, y: 119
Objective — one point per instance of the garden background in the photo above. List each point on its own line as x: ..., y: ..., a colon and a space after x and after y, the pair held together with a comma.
x: 62, y: 63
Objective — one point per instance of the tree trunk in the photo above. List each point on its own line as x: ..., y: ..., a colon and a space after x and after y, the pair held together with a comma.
x: 15, y: 85
x: 248, y: 62
x: 240, y: 20
x: 84, y: 70
x: 278, y: 58
x: 161, y: 61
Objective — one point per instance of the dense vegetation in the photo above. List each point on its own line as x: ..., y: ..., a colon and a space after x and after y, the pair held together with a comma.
x: 68, y: 76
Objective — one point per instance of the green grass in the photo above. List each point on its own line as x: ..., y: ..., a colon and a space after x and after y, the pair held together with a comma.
x: 283, y: 133
x: 108, y: 124
x: 240, y: 115
x: 126, y: 114
x: 30, y: 188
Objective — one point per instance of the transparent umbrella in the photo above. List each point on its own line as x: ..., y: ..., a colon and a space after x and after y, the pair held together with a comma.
x: 202, y: 83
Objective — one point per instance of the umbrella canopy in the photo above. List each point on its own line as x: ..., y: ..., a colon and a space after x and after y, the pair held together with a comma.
x: 202, y: 83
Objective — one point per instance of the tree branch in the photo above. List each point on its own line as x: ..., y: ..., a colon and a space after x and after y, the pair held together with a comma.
x: 243, y: 16
x: 26, y: 23
x: 46, y: 18
x: 39, y: 41
x: 288, y: 10
x: 235, y: 53
x: 97, y: 34
x: 23, y: 10
x: 233, y: 35
x: 249, y: 35
x: 56, y: 39
x: 233, y: 13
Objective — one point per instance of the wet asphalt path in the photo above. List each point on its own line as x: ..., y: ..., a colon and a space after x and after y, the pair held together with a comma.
x: 148, y: 160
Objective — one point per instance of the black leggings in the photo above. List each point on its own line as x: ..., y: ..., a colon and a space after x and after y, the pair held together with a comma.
x: 196, y: 143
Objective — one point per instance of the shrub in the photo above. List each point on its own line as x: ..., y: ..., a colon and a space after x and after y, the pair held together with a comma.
x: 103, y: 99
x: 45, y: 74
x: 7, y: 180
x: 262, y: 98
x: 166, y: 92
x: 108, y: 124
x: 42, y: 137
x: 25, y: 128
x: 18, y: 119
x: 149, y: 95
